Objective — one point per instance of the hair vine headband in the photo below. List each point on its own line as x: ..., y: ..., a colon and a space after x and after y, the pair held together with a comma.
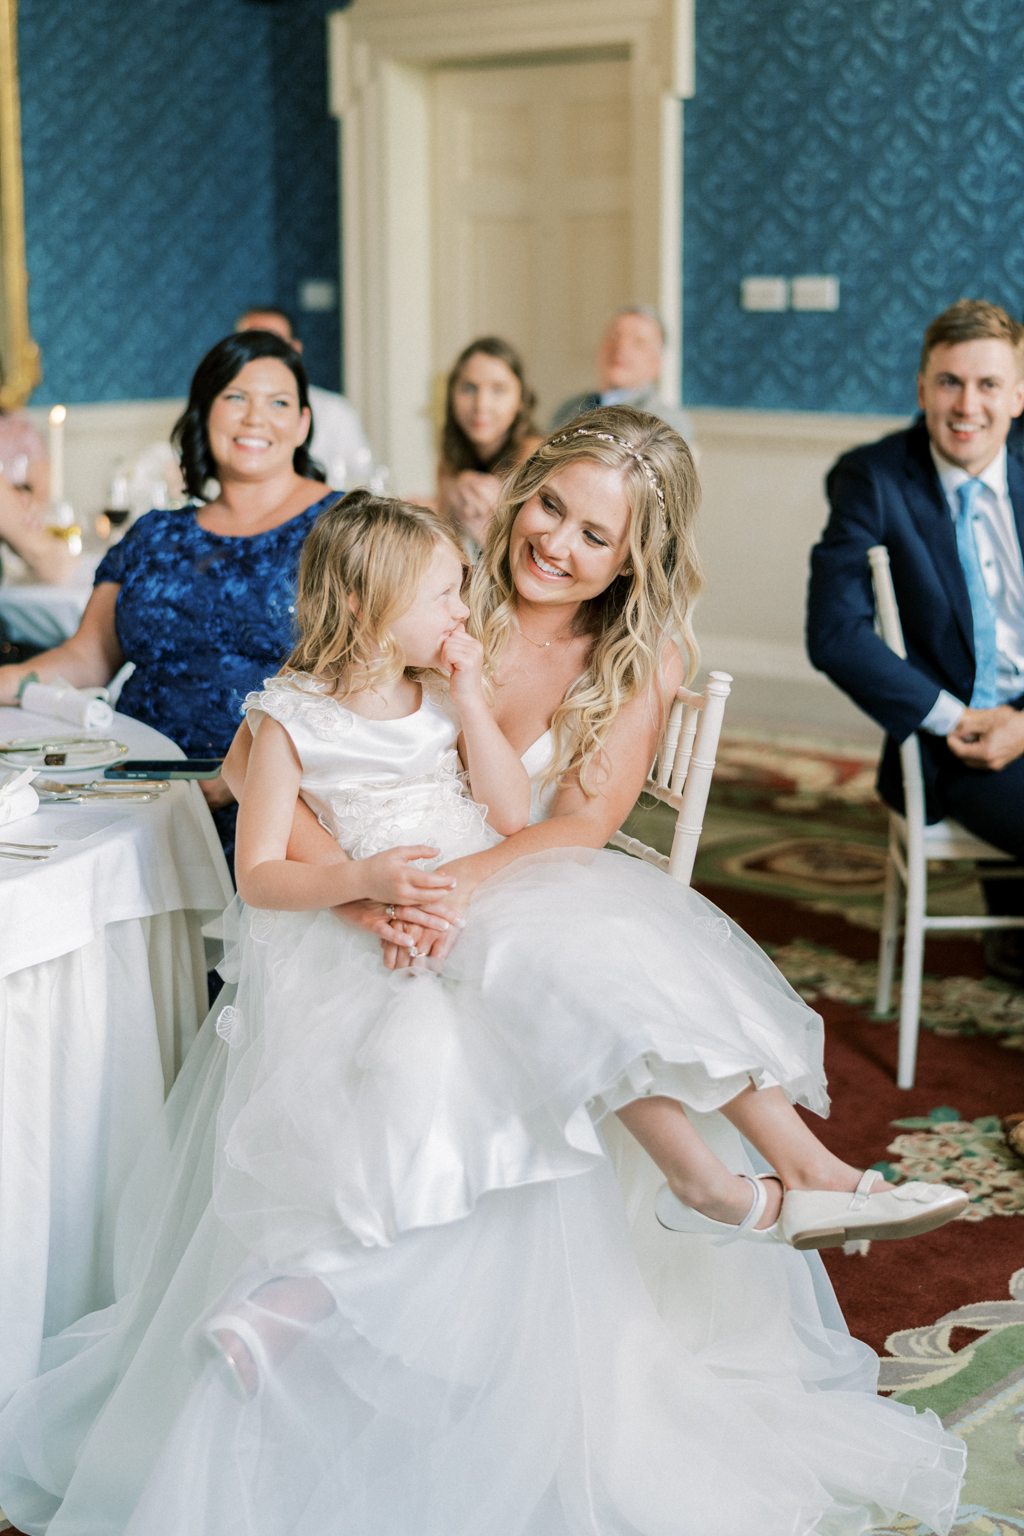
x: 609, y: 437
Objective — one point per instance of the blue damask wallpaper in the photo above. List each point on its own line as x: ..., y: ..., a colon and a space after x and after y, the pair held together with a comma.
x: 880, y: 140
x: 179, y: 164
x: 305, y: 174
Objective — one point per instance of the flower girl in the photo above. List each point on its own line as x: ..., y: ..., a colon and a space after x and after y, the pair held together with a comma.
x: 413, y: 1303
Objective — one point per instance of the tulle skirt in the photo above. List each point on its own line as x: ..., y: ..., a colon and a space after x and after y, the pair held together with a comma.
x: 468, y: 1319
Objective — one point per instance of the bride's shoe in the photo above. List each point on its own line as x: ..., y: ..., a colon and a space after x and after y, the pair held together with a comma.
x: 677, y: 1217
x: 827, y: 1218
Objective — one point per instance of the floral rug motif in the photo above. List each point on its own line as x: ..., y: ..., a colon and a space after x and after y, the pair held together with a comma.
x: 951, y: 1005
x: 796, y: 774
x: 978, y: 1391
x: 972, y: 1154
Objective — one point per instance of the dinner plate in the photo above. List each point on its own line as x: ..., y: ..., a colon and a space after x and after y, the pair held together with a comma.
x: 72, y: 754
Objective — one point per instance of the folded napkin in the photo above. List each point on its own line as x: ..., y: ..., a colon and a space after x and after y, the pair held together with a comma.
x: 66, y: 703
x: 17, y: 797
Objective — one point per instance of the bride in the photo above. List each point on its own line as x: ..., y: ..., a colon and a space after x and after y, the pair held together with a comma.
x: 441, y: 1311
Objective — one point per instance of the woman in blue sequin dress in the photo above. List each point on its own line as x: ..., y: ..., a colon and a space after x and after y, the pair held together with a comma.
x: 202, y: 599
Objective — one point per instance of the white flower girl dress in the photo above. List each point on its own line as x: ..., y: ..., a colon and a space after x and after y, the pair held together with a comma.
x: 472, y: 1324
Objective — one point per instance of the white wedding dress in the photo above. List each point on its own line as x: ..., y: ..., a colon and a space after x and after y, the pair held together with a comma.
x: 468, y: 1320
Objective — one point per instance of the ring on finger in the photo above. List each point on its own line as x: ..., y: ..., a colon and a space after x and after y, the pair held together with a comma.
x: 413, y: 951
x: 389, y: 912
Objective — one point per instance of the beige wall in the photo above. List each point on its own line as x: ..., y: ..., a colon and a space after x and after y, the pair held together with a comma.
x: 764, y: 506
x: 96, y: 435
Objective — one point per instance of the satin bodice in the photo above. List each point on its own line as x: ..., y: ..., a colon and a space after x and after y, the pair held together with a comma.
x: 536, y: 760
x: 375, y: 784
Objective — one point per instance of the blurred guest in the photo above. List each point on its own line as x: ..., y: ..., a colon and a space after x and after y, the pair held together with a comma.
x: 202, y: 598
x: 24, y: 493
x: 339, y: 442
x: 488, y: 430
x: 629, y: 361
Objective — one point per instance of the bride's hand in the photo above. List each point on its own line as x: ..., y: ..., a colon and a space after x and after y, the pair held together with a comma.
x: 439, y: 945
x: 372, y: 917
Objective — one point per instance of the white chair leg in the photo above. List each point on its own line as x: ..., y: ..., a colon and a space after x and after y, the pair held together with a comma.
x: 887, y: 939
x: 913, y: 965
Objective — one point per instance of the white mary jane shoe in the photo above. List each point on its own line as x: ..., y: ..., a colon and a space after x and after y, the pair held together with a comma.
x: 677, y: 1217
x: 826, y: 1219
x: 230, y: 1373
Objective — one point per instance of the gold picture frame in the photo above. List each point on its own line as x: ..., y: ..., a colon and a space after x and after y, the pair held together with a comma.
x: 20, y: 364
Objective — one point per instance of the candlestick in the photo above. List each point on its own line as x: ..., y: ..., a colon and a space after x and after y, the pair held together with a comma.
x: 57, y: 416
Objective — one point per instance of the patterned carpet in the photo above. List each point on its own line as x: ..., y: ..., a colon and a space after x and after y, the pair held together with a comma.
x: 794, y: 850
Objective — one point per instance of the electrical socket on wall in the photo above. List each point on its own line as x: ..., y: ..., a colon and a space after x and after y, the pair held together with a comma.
x: 773, y: 294
x: 318, y: 295
x: 814, y: 292
x: 764, y: 293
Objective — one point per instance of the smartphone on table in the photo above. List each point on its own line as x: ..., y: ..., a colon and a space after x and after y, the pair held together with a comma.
x: 165, y: 768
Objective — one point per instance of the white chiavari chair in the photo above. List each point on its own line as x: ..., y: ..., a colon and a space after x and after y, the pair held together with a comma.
x: 681, y: 775
x: 913, y: 845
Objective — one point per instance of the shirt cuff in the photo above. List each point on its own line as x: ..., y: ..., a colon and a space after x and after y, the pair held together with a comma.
x: 943, y: 715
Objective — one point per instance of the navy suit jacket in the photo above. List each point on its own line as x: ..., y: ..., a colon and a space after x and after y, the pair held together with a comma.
x: 889, y: 493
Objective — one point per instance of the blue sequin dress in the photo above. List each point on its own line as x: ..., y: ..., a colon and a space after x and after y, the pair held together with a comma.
x: 205, y: 619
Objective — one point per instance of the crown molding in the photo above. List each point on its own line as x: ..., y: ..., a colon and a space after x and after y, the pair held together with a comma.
x: 659, y: 33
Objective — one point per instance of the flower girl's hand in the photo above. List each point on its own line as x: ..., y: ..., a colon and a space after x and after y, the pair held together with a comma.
x: 464, y: 658
x: 391, y: 877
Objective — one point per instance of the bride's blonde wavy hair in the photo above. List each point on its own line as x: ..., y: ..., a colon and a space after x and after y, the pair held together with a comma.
x: 635, y: 615
x: 361, y: 566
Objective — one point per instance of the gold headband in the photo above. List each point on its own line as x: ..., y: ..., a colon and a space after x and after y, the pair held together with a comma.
x: 609, y: 437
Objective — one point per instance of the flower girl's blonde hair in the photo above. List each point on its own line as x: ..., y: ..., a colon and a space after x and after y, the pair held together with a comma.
x: 649, y: 603
x: 362, y: 563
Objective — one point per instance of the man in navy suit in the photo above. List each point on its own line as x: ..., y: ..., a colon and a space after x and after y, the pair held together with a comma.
x: 947, y: 499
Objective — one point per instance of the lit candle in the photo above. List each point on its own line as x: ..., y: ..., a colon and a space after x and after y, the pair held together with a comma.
x: 57, y: 416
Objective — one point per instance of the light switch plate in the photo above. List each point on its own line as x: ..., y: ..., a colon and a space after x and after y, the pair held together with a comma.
x: 813, y: 292
x: 764, y: 293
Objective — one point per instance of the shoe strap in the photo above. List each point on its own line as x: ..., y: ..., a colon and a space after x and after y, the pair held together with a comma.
x: 863, y: 1190
x: 757, y: 1204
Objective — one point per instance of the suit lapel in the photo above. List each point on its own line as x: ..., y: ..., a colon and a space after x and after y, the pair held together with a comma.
x: 929, y: 509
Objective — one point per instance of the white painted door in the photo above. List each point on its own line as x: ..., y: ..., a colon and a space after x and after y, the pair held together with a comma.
x: 533, y: 226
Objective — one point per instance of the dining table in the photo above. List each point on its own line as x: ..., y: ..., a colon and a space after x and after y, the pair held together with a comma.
x: 45, y: 614
x: 103, y: 987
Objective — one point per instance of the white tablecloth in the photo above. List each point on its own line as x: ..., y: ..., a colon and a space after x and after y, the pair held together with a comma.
x: 102, y: 989
x: 43, y: 615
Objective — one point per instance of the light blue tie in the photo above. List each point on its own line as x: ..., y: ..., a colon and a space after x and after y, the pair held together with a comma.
x: 986, y: 657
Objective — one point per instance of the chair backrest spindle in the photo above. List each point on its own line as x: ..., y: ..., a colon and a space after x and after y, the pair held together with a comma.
x: 668, y: 750
x: 690, y: 821
x: 681, y: 774
x: 684, y: 751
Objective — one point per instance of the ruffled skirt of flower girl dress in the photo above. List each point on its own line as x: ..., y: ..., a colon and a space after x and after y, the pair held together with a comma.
x: 470, y: 1321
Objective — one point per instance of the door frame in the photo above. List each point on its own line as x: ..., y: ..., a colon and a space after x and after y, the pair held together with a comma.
x: 381, y: 54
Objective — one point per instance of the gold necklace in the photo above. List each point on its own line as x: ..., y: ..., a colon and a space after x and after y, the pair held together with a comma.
x: 541, y: 645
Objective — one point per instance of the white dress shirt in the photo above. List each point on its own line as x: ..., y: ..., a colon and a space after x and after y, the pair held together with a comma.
x: 339, y: 442
x: 1002, y: 569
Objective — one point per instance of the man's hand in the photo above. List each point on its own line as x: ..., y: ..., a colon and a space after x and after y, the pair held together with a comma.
x: 988, y: 738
